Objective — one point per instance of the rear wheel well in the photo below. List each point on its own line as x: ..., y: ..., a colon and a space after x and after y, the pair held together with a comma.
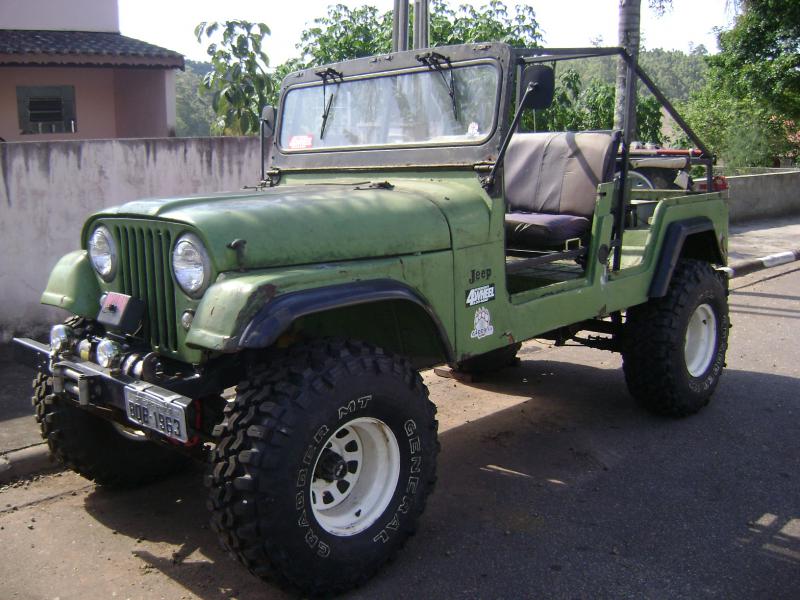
x: 693, y: 238
x: 702, y: 246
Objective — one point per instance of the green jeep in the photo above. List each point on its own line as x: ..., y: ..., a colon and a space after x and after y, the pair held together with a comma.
x: 405, y: 220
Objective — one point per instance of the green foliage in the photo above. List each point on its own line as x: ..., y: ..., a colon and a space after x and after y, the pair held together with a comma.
x: 194, y: 114
x: 739, y: 131
x: 760, y: 56
x: 239, y: 82
x: 577, y: 108
x: 648, y: 119
x: 491, y: 22
x: 598, y: 99
x: 676, y: 73
x: 748, y: 108
x: 346, y: 33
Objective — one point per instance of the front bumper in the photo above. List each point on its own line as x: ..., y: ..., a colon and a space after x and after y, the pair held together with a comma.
x: 93, y: 387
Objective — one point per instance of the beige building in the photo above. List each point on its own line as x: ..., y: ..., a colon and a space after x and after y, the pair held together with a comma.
x: 67, y: 73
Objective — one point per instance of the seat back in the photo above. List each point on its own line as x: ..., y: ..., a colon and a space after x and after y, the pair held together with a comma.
x: 558, y: 173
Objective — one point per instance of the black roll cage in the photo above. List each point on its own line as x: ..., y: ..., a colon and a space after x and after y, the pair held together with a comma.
x: 527, y: 56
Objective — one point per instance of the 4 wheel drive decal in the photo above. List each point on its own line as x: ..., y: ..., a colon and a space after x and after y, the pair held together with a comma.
x: 479, y: 295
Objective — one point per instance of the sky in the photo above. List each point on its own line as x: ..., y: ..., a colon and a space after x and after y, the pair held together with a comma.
x: 171, y: 23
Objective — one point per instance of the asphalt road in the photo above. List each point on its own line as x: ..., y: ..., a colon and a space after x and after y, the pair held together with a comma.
x: 552, y: 484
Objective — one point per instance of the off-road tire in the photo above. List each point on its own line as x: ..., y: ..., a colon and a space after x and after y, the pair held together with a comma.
x: 654, y: 358
x: 91, y: 446
x: 269, y: 444
x: 491, y: 361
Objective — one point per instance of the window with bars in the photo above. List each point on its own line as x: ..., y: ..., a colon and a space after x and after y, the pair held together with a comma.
x: 46, y: 109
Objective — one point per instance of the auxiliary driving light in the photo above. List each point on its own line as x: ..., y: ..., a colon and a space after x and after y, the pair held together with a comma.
x: 108, y: 354
x: 61, y: 338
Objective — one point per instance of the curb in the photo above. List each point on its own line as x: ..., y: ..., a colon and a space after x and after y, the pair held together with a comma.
x: 757, y: 264
x: 26, y: 462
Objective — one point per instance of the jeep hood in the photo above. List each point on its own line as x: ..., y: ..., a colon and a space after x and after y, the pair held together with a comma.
x: 302, y: 224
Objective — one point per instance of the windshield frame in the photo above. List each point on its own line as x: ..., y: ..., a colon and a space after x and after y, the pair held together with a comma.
x: 396, y: 73
x: 442, y: 153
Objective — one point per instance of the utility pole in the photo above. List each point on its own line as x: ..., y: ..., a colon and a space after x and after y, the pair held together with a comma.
x: 421, y: 24
x: 625, y: 101
x: 400, y: 26
x: 421, y: 29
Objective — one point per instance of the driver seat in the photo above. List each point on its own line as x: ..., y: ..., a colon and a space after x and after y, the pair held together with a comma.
x: 550, y: 181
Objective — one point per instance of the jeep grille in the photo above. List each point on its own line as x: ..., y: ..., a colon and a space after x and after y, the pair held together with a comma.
x: 145, y: 273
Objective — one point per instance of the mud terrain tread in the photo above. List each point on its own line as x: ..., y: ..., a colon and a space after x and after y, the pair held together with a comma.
x: 653, y: 335
x: 257, y: 424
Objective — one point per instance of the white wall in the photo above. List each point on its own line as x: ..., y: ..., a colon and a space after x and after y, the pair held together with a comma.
x: 70, y: 15
x: 48, y: 189
x: 764, y: 196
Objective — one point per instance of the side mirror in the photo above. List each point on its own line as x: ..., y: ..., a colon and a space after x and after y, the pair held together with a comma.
x: 543, y: 80
x: 267, y: 131
x: 268, y: 121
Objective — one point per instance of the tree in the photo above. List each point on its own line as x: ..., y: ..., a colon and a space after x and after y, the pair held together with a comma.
x: 760, y: 56
x: 239, y: 81
x: 629, y: 25
x: 491, y: 22
x: 629, y: 36
x: 577, y: 107
x: 193, y: 113
x: 346, y: 33
x: 750, y: 106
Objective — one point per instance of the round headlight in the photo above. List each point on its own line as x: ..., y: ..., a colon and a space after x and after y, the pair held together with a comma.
x: 103, y: 253
x: 191, y: 265
x: 108, y: 353
x: 61, y: 338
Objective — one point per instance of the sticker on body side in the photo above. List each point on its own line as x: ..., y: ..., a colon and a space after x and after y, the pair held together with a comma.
x: 479, y: 295
x: 482, y: 323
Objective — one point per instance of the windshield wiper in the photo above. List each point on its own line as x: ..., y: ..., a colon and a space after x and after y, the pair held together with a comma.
x: 333, y: 74
x: 326, y: 111
x: 434, y: 60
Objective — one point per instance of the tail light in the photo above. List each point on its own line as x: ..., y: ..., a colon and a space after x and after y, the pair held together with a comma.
x: 718, y: 184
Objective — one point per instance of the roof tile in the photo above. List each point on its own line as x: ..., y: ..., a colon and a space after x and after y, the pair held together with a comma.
x: 96, y: 43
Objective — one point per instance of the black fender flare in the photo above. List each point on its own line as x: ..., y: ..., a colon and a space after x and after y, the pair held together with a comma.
x: 277, y: 315
x: 677, y: 234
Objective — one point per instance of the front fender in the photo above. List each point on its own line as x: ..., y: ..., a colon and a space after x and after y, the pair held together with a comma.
x: 73, y: 285
x: 249, y: 312
x: 277, y: 316
x: 225, y: 310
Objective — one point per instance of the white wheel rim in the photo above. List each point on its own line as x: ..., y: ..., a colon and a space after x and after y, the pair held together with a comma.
x: 701, y: 340
x: 355, y: 476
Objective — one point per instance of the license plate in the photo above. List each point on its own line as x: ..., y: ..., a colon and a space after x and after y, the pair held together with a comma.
x: 157, y: 409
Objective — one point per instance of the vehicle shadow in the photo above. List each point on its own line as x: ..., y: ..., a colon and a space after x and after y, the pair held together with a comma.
x: 572, y: 492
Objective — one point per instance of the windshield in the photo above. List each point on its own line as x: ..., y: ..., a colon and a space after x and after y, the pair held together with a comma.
x: 432, y: 107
